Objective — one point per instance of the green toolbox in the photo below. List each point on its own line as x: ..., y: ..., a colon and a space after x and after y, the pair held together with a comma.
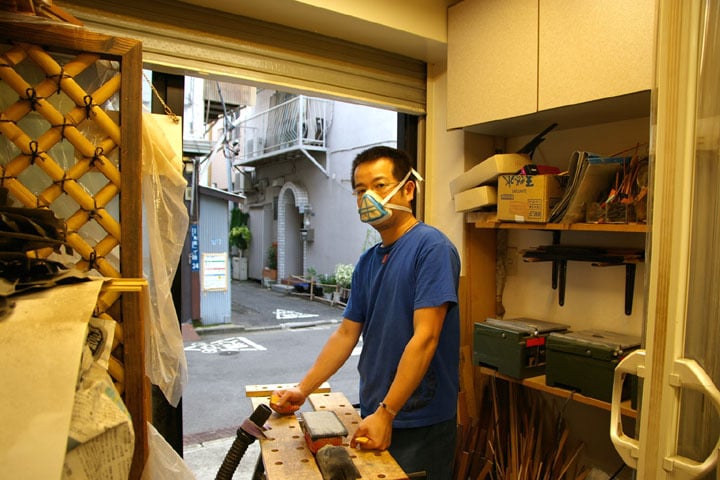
x: 585, y: 361
x: 514, y: 347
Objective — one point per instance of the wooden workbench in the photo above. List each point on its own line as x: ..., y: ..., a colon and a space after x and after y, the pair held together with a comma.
x: 285, y: 453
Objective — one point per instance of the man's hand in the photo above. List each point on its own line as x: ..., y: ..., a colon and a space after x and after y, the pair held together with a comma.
x: 287, y: 401
x: 374, y: 431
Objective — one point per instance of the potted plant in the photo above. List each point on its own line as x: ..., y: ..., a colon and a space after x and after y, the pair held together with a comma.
x: 270, y: 270
x: 328, y: 280
x: 240, y: 237
x: 343, y: 277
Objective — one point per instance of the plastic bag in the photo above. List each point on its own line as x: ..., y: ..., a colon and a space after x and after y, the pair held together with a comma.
x: 165, y: 225
x: 163, y: 462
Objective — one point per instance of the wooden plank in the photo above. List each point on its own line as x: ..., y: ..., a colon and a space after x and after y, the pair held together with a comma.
x: 538, y: 383
x: 486, y: 220
x: 68, y: 37
x: 137, y: 385
x: 285, y: 453
x: 267, y: 389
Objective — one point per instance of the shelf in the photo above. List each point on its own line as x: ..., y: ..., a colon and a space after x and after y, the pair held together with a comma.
x: 490, y: 221
x: 538, y: 383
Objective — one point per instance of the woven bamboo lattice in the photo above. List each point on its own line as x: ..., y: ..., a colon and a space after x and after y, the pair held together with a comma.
x: 59, y: 150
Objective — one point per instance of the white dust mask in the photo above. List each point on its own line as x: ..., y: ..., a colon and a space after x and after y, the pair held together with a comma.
x: 375, y: 209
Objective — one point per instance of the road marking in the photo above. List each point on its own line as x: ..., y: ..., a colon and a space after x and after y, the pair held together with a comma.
x: 281, y: 314
x: 231, y: 344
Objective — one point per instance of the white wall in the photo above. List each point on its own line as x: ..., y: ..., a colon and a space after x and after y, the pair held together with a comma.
x: 445, y: 160
x: 339, y: 236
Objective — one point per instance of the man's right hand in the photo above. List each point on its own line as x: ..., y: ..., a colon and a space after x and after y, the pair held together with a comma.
x: 287, y: 401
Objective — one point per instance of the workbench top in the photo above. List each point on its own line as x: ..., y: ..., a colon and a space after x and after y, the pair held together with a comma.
x: 286, y: 455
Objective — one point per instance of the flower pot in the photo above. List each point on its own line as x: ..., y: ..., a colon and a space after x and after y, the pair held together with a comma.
x: 270, y: 274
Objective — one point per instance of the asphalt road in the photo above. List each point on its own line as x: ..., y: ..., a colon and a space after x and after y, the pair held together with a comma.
x: 274, y: 338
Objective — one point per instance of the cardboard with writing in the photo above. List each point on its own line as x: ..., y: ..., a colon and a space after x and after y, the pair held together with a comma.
x: 528, y: 198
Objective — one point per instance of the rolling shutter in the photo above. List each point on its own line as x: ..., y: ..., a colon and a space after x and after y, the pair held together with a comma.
x: 180, y: 38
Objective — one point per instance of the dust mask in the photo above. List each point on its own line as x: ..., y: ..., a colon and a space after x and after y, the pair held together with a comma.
x: 375, y: 209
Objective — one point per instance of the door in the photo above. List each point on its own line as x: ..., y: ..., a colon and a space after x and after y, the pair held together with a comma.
x: 261, y: 225
x: 680, y: 366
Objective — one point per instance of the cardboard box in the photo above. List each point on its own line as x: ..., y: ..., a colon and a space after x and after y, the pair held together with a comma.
x: 487, y: 171
x: 528, y: 198
x: 475, y: 198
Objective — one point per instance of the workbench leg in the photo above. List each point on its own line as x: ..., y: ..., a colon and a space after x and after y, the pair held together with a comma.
x: 259, y: 473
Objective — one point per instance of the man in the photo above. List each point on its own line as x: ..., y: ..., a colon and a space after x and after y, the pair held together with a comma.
x: 403, y: 303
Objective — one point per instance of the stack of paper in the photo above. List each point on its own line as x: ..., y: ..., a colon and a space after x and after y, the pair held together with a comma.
x: 589, y: 176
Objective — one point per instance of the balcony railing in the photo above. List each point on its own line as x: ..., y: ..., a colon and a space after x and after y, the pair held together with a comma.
x: 301, y: 122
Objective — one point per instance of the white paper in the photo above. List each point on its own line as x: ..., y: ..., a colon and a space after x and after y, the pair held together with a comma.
x: 40, y: 346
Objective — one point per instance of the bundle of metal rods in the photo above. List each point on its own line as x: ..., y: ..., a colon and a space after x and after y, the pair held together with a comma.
x: 514, y: 438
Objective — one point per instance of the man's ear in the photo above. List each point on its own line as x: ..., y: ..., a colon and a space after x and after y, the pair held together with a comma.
x: 409, y: 189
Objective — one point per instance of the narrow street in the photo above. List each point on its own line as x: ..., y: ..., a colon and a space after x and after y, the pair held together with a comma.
x: 274, y: 338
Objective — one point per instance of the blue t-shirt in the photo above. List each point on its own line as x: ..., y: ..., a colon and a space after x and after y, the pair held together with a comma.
x: 421, y: 269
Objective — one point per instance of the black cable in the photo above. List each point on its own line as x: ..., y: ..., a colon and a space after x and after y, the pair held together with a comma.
x: 614, y: 475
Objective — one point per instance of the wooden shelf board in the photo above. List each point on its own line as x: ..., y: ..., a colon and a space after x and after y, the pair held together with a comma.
x: 489, y: 221
x: 538, y: 383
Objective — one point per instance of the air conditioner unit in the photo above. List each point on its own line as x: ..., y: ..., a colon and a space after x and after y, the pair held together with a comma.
x: 239, y: 182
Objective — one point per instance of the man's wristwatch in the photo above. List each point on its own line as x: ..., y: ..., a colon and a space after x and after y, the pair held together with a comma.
x: 389, y: 410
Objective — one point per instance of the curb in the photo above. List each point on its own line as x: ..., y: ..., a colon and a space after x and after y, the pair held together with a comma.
x: 228, y: 328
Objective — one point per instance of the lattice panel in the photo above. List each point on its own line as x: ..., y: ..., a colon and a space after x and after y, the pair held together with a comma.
x: 70, y: 141
x: 59, y: 150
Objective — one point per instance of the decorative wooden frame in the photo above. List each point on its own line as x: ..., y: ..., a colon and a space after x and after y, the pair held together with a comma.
x: 112, y: 154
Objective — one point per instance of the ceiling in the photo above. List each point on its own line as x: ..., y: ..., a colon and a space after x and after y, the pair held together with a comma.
x: 414, y: 28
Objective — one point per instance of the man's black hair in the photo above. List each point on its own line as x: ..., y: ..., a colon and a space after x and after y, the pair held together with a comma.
x: 401, y: 161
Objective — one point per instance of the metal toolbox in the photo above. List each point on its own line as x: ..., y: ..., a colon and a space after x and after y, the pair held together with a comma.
x: 585, y: 361
x: 514, y: 347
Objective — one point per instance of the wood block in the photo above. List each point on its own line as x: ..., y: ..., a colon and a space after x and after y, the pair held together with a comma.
x: 322, y: 428
x: 266, y: 390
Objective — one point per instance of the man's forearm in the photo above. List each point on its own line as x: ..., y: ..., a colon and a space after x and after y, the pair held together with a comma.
x: 412, y: 367
x: 417, y: 356
x: 333, y: 355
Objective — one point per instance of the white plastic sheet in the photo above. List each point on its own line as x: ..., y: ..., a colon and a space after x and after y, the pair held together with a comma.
x: 165, y: 224
x: 163, y: 462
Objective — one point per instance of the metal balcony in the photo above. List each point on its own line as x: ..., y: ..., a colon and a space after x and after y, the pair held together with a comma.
x: 294, y: 129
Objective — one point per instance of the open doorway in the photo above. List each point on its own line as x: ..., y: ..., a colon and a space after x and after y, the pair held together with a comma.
x: 294, y: 182
x: 288, y: 156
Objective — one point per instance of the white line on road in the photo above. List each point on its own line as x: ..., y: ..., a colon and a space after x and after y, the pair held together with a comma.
x: 281, y: 314
x: 231, y: 344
